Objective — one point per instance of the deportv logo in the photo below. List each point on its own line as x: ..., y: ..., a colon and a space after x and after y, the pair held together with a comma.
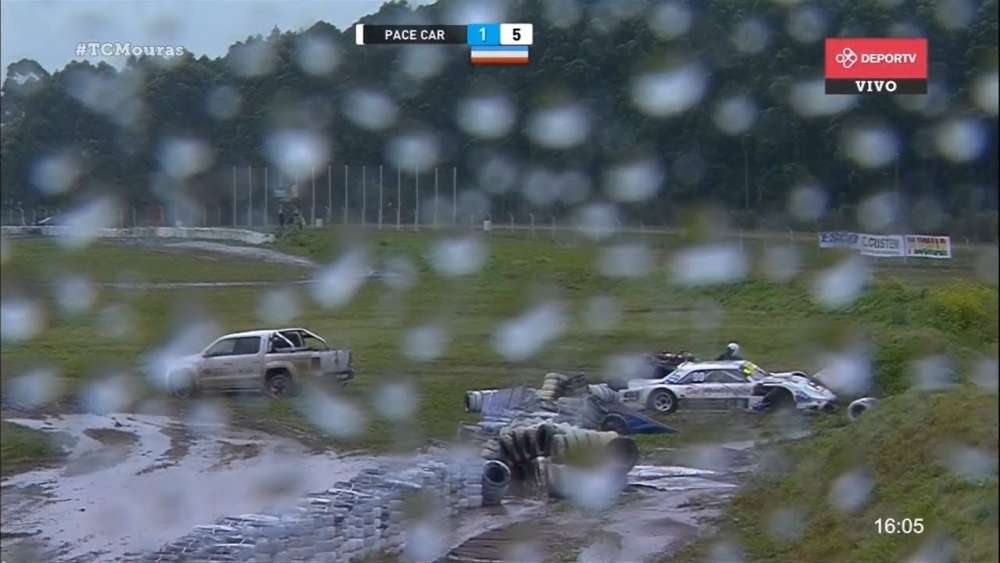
x: 876, y: 66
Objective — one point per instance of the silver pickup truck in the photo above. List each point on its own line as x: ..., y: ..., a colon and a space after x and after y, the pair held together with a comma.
x: 274, y: 361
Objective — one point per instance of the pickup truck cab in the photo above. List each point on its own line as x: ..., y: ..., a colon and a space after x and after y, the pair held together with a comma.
x: 274, y: 361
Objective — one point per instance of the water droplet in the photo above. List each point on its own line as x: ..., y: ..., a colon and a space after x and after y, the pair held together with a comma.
x: 669, y: 92
x: 558, y: 127
x: 522, y: 337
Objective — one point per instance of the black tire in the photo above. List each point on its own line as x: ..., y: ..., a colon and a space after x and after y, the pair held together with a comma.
x: 615, y: 423
x: 181, y: 384
x: 278, y: 385
x: 662, y: 401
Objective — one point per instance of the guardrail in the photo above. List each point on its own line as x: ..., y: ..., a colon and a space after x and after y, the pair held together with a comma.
x: 205, y: 233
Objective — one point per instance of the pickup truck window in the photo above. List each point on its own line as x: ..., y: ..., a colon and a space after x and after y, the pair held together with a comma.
x: 221, y: 348
x: 246, y: 346
x: 294, y: 337
x: 315, y: 344
x: 280, y: 344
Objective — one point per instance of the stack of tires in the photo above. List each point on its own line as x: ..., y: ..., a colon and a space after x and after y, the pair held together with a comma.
x: 556, y: 385
x: 474, y: 399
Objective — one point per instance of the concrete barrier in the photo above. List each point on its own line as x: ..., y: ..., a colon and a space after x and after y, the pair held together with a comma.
x: 204, y: 233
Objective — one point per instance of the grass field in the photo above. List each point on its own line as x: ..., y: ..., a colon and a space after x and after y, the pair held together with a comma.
x: 911, y: 310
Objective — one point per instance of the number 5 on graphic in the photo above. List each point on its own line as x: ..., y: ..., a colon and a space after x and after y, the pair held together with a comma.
x: 516, y: 34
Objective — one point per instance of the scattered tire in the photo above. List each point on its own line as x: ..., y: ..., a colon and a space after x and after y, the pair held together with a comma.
x: 860, y: 407
x: 662, y: 401
x: 624, y: 452
x: 278, y: 385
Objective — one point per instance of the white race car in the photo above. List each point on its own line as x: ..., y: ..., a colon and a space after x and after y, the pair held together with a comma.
x: 736, y: 384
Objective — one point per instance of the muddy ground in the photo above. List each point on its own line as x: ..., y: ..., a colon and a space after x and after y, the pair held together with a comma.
x: 133, y: 482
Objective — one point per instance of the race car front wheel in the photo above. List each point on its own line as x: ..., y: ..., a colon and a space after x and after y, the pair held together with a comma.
x: 662, y: 401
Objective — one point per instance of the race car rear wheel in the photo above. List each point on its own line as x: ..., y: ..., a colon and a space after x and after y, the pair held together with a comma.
x: 662, y: 401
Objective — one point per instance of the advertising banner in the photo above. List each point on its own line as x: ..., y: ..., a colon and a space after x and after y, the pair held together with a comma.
x: 881, y: 245
x: 927, y: 246
x: 838, y: 239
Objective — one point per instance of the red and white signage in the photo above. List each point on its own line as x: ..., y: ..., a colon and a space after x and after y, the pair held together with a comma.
x: 856, y: 65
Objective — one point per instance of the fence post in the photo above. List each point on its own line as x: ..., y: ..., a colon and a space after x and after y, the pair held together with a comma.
x: 380, y: 197
x: 531, y: 216
x: 250, y: 193
x: 345, y: 193
x: 21, y: 209
x: 435, y: 196
x: 364, y: 194
x: 234, y: 196
x: 454, y: 194
x: 399, y: 198
x: 329, y: 193
x: 416, y: 199
x: 266, y: 195
x: 512, y: 222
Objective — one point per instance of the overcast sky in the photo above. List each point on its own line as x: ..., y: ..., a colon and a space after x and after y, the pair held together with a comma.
x: 49, y: 30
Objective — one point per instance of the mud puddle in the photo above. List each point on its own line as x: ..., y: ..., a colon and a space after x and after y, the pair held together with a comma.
x: 133, y: 482
x: 662, y: 508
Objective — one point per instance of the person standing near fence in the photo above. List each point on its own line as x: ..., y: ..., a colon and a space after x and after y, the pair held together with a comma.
x: 281, y: 217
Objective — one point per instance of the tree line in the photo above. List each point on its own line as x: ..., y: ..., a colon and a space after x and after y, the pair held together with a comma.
x: 111, y: 123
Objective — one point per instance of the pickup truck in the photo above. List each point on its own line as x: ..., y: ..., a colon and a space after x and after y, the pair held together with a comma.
x: 274, y: 361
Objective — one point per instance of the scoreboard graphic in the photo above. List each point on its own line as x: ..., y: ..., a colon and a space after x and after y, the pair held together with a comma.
x: 489, y: 43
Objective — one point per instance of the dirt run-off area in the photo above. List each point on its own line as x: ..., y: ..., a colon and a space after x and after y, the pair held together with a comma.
x: 132, y: 483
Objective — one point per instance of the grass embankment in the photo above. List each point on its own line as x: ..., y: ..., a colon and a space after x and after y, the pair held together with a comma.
x: 777, y: 323
x: 22, y: 448
x: 914, y: 449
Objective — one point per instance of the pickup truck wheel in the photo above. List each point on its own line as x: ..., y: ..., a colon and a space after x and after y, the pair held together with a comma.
x: 662, y: 401
x: 279, y: 385
x: 181, y: 384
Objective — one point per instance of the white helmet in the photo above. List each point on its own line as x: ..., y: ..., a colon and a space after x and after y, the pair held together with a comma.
x: 733, y: 347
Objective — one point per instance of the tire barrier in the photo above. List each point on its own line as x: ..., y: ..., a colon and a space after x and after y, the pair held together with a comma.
x: 556, y: 385
x: 350, y: 521
x: 474, y: 399
x: 860, y: 407
x: 496, y: 479
x: 604, y: 392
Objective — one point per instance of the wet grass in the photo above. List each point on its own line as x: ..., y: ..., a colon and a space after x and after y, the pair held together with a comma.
x: 913, y: 310
x: 23, y: 448
x: 903, y: 447
x: 777, y: 323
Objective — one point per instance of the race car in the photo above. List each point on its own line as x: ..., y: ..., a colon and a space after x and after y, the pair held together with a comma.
x: 731, y: 384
